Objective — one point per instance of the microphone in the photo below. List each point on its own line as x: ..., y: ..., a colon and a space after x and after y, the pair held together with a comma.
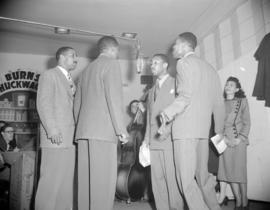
x: 137, y: 115
x: 139, y: 56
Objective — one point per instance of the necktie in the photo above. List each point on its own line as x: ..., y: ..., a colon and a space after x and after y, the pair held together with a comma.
x: 9, y: 148
x: 71, y: 83
x: 157, y: 88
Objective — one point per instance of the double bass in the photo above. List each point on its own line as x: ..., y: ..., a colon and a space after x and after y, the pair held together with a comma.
x: 132, y: 177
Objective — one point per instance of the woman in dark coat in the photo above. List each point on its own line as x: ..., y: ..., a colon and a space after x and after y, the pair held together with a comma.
x: 233, y: 162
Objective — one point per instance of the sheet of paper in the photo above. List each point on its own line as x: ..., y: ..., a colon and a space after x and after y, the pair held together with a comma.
x: 219, y: 143
x: 144, y: 155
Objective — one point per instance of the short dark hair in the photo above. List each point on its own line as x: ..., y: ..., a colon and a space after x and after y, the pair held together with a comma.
x: 3, y: 128
x: 106, y: 42
x: 12, y: 143
x: 240, y: 93
x: 132, y: 102
x: 163, y: 57
x: 190, y: 38
x: 61, y: 51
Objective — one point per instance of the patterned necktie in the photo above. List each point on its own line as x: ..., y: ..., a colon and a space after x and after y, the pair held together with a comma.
x: 71, y: 83
x: 157, y: 88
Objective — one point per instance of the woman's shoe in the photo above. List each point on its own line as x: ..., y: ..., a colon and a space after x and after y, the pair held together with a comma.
x: 224, y: 202
x: 246, y: 207
x: 238, y: 208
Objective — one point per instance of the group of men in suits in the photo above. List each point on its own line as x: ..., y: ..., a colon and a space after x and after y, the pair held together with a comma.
x: 98, y: 113
x: 178, y: 149
x: 178, y: 123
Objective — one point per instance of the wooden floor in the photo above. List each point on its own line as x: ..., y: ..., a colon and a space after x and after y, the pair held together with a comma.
x: 142, y: 205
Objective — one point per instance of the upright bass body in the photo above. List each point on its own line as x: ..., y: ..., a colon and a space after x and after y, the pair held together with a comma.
x: 131, y: 182
x: 132, y: 177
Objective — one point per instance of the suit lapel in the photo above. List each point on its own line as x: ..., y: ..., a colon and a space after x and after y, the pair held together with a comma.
x: 3, y: 145
x: 151, y: 100
x: 165, y: 88
x: 64, y: 81
x: 234, y: 110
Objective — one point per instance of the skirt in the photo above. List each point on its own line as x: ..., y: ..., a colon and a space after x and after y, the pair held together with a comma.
x: 233, y: 164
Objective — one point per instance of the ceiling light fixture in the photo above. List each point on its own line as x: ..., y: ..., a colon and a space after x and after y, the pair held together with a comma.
x: 129, y: 35
x: 69, y: 30
x: 60, y: 30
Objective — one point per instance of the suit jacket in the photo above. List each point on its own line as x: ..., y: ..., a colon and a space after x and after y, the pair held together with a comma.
x: 98, y: 105
x: 165, y: 96
x: 4, y: 145
x: 199, y: 95
x: 237, y: 121
x: 55, y: 108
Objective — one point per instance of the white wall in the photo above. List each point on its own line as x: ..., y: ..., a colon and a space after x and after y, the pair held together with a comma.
x: 131, y: 80
x: 230, y: 47
x: 38, y: 63
x: 258, y: 156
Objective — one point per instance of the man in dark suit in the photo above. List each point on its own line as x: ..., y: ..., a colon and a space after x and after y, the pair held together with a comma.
x: 99, y: 113
x: 55, y: 108
x: 165, y: 189
x: 199, y: 95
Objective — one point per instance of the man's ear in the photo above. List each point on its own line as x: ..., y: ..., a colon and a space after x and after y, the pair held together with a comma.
x: 61, y: 56
x: 165, y: 65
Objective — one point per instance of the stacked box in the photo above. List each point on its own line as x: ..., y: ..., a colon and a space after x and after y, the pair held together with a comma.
x: 22, y: 179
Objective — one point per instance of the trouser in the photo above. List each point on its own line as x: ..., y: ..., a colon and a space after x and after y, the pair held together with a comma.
x: 191, y: 161
x: 97, y: 174
x: 165, y: 188
x: 55, y: 187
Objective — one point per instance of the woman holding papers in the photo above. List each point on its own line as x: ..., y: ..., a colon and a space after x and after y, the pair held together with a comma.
x: 233, y: 162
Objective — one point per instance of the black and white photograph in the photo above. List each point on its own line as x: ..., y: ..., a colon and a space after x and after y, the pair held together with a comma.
x: 135, y: 104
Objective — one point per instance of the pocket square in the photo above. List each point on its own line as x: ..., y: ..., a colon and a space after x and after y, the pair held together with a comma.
x: 172, y: 91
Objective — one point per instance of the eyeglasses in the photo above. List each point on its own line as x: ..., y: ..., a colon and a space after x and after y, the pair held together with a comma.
x: 9, y: 132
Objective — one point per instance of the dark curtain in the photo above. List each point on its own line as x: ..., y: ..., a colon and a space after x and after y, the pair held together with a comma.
x: 213, y: 154
x: 262, y: 84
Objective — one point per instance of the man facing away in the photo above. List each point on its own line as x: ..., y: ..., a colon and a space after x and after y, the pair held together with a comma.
x: 99, y: 114
x: 55, y: 108
x: 199, y: 95
x: 165, y: 188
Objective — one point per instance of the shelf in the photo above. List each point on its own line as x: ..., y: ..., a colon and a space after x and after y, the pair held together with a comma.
x: 19, y: 121
x: 25, y: 132
x: 18, y: 108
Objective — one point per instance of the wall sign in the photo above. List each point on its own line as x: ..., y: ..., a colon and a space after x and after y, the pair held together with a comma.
x: 18, y: 90
x: 19, y: 80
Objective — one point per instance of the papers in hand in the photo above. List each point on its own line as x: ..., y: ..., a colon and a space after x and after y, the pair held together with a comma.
x: 219, y: 143
x: 144, y: 155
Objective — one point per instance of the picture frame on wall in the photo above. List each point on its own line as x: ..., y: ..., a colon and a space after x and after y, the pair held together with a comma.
x: 20, y: 99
